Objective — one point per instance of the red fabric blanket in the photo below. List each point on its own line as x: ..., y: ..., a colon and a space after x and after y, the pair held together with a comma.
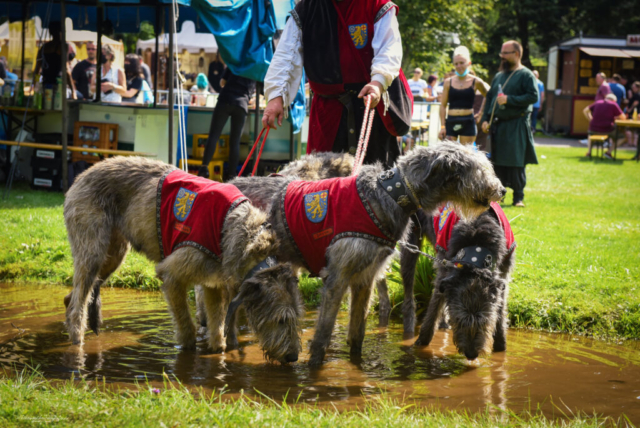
x: 319, y: 213
x: 191, y: 211
x: 446, y: 220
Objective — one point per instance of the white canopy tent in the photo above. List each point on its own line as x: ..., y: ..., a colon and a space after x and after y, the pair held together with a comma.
x: 186, y: 39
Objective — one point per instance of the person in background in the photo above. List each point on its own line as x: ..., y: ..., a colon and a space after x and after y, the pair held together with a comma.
x: 509, y: 101
x: 84, y: 71
x: 146, y: 71
x: 201, y: 89
x: 113, y: 82
x: 135, y: 79
x: 634, y: 105
x: 216, y: 69
x: 538, y: 105
x: 459, y: 93
x: 602, y: 116
x: 617, y: 89
x: 10, y: 78
x: 432, y: 88
x: 418, y: 85
x: 232, y: 103
x: 603, y: 86
x: 48, y: 59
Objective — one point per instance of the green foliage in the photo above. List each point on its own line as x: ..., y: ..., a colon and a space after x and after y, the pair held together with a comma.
x: 428, y: 29
x: 130, y: 39
x: 28, y: 399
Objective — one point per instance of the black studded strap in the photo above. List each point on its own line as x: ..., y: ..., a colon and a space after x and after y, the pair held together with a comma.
x: 392, y: 183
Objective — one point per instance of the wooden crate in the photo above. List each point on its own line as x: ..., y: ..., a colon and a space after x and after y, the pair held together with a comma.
x: 194, y: 164
x: 95, y: 135
x: 200, y: 142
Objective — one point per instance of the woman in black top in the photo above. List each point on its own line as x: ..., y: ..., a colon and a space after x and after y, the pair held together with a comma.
x: 135, y: 77
x: 460, y: 92
x: 232, y: 102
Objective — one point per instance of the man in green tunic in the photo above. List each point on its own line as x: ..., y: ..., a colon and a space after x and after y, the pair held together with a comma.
x: 511, y: 139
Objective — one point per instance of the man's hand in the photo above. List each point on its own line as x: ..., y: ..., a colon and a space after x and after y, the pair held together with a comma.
x: 374, y: 90
x: 502, y: 99
x: 274, y: 112
x: 485, y: 127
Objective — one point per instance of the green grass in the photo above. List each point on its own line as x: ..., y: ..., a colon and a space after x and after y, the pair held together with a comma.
x: 578, y: 256
x: 27, y: 399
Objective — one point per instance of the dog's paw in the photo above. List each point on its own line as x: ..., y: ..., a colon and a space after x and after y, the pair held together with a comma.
x: 421, y: 342
x: 232, y: 343
x: 499, y: 346
x: 316, y: 360
x: 356, y: 349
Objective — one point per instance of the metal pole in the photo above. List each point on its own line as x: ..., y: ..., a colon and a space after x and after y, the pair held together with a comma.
x: 100, y: 18
x: 171, y: 72
x: 156, y: 53
x: 65, y: 108
x: 24, y: 32
x: 291, y: 142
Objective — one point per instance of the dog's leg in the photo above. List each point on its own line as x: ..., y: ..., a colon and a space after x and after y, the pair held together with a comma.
x: 360, y: 300
x: 384, y: 309
x: 201, y: 309
x: 215, y: 301
x: 500, y: 335
x: 175, y: 292
x: 408, y: 262
x: 83, y: 279
x: 434, y: 312
x: 334, y: 289
x: 118, y: 249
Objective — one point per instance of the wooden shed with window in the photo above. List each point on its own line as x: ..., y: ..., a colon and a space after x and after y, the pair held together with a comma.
x: 571, y: 85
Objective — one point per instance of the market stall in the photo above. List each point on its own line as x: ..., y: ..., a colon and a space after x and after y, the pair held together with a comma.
x: 571, y: 85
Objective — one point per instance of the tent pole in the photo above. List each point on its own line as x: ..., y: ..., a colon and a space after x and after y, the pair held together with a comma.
x: 156, y: 53
x: 171, y: 72
x: 100, y: 18
x: 65, y: 107
x: 24, y: 33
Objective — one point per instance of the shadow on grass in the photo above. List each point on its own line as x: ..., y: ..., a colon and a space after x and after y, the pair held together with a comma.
x: 23, y: 196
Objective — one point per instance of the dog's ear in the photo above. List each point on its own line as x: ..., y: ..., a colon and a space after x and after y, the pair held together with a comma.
x: 245, y: 289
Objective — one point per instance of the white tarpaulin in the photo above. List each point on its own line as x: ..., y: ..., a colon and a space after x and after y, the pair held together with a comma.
x: 186, y: 39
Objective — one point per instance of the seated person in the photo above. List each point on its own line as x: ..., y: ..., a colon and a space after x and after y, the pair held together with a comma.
x: 201, y: 90
x: 602, y: 116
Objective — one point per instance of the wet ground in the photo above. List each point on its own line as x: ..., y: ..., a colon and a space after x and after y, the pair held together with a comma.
x: 556, y: 373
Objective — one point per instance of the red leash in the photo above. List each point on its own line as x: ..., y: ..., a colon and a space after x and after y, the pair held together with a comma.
x: 264, y: 141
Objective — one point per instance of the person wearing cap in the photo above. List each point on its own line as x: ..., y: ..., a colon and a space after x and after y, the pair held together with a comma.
x: 418, y: 85
x: 350, y: 51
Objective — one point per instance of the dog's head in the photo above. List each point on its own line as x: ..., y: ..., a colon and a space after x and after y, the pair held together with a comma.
x: 474, y: 296
x: 247, y: 239
x: 451, y: 172
x: 274, y: 308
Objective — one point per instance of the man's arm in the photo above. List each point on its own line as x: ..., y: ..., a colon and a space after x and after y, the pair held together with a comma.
x: 530, y: 95
x: 285, y: 71
x: 587, y: 112
x: 387, y: 56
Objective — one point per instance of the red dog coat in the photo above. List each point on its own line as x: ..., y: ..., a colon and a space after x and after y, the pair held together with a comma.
x: 191, y: 211
x: 319, y: 213
x: 446, y: 220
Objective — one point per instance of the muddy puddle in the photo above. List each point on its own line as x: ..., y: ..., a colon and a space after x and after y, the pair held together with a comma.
x: 539, y: 370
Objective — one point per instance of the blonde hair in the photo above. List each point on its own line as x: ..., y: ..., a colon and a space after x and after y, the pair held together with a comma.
x: 463, y: 52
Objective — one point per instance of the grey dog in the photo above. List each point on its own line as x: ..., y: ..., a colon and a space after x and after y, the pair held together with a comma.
x: 113, y: 206
x: 474, y: 296
x: 424, y: 178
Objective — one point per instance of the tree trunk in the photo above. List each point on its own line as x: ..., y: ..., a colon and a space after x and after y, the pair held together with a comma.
x: 523, y: 34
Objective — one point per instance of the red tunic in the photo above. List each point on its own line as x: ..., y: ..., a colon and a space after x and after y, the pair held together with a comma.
x: 446, y: 220
x: 318, y: 213
x: 338, y: 36
x: 191, y: 211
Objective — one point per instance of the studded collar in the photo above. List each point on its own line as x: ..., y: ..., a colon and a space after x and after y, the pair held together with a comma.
x: 265, y: 264
x: 394, y: 184
x: 479, y: 257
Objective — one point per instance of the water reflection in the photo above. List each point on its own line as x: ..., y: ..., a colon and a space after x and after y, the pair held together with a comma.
x: 137, y: 344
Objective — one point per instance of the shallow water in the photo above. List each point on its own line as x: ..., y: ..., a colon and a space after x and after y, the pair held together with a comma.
x: 557, y: 373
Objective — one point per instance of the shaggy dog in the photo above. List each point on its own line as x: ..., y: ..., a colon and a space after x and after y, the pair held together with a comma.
x: 374, y: 209
x: 473, y: 287
x: 120, y: 202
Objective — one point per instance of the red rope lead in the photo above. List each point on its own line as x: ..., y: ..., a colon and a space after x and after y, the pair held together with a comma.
x: 246, y: 162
